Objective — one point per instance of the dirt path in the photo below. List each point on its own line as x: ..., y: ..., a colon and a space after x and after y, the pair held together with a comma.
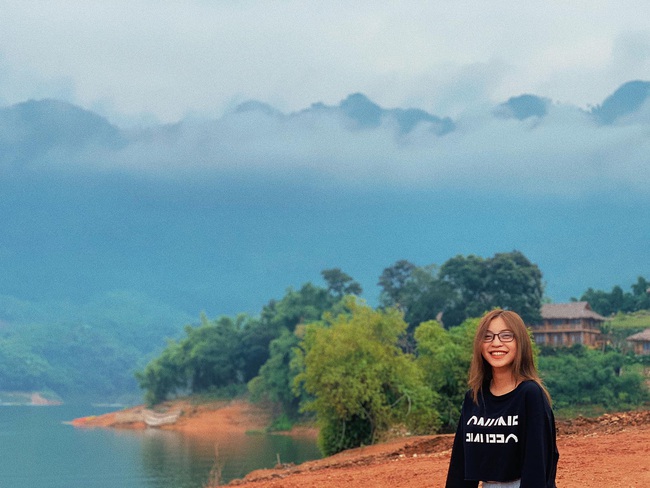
x: 612, y: 451
x: 620, y: 459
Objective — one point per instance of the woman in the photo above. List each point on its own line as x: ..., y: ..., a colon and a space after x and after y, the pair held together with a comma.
x: 506, y: 431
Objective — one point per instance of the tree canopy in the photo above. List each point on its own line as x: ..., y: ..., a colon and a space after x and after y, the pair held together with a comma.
x: 617, y: 300
x: 360, y: 379
x: 463, y: 287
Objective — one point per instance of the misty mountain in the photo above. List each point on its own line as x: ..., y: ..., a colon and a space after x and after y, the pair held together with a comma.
x: 34, y: 130
x: 627, y: 99
x: 523, y: 107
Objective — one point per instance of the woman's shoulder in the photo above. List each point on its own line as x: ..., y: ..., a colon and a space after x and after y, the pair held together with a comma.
x: 534, y: 394
x: 530, y: 387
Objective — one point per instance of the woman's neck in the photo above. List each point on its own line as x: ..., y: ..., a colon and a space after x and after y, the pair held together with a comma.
x: 503, y: 381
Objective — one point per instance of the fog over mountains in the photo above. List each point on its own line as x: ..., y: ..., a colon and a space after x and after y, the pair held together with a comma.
x: 223, y: 214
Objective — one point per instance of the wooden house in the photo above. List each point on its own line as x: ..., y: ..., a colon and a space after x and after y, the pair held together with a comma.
x: 641, y: 342
x: 566, y: 324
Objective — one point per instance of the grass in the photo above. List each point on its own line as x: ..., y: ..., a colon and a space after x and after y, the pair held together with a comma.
x: 593, y: 411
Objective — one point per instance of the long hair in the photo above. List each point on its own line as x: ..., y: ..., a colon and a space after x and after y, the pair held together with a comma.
x: 523, y: 368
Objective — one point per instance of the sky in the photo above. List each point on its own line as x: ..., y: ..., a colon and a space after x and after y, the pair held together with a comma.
x: 171, y: 74
x: 141, y: 62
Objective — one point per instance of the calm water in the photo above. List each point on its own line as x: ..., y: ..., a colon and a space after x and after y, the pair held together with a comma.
x: 38, y: 450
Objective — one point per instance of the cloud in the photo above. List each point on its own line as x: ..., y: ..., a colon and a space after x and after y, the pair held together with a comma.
x: 528, y: 146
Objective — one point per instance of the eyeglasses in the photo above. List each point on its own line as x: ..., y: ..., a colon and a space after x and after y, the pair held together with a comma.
x: 504, y: 336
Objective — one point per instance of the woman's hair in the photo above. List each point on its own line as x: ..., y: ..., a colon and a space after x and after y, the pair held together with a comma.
x: 523, y: 368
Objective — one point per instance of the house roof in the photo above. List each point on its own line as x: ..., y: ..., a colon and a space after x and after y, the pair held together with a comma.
x: 641, y: 336
x: 571, y: 310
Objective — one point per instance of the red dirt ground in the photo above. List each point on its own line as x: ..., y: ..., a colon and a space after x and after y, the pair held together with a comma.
x: 610, y: 451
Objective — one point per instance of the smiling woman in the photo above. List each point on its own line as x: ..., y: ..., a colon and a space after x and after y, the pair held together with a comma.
x: 506, y: 433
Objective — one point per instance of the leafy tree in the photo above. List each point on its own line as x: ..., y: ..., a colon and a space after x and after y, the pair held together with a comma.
x: 444, y: 357
x: 507, y: 280
x: 393, y: 281
x: 210, y: 354
x: 361, y: 381
x: 276, y: 376
x: 416, y: 291
x: 296, y: 307
x: 280, y: 319
x: 578, y: 377
x: 165, y: 375
x: 20, y: 368
x: 340, y: 284
x: 206, y: 359
x: 255, y: 336
x: 610, y: 303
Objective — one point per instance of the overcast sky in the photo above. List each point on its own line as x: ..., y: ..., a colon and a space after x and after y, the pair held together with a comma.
x: 158, y: 60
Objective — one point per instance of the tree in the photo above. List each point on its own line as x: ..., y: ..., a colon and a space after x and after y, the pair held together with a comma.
x: 610, y: 303
x: 507, y: 280
x: 578, y: 377
x: 361, y: 381
x: 444, y: 357
x: 210, y: 354
x: 340, y: 284
x: 208, y: 358
x: 515, y: 283
x: 417, y: 291
x: 296, y: 307
x: 275, y: 380
x: 164, y: 375
x: 393, y: 281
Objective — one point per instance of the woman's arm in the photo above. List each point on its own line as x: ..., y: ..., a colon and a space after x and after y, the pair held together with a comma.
x: 540, y: 451
x: 456, y: 472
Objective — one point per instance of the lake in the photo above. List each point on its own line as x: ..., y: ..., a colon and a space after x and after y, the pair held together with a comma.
x: 39, y: 450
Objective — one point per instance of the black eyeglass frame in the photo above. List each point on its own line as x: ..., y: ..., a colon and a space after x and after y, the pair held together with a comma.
x: 489, y: 336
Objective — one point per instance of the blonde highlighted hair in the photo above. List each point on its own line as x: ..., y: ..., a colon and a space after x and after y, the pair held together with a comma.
x: 523, y: 368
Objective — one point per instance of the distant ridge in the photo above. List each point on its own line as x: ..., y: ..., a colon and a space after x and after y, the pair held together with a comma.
x: 627, y: 99
x: 32, y: 129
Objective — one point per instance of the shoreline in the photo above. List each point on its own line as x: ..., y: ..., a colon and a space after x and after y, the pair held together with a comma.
x: 587, y: 446
x: 216, y: 418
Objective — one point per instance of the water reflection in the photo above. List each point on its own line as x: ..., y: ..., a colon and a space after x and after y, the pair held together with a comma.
x: 40, y: 450
x: 172, y: 459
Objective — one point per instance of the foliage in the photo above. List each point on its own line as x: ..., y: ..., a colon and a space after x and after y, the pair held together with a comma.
x: 463, y: 287
x: 622, y: 325
x: 444, y: 357
x: 610, y: 303
x: 361, y: 381
x: 164, y: 375
x: 287, y: 316
x: 208, y: 358
x: 234, y: 351
x: 340, y: 284
x: 416, y: 291
x: 579, y: 376
x: 82, y: 351
x: 297, y: 307
x: 276, y: 376
x: 507, y: 280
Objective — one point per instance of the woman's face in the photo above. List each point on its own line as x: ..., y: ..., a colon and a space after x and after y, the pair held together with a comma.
x: 499, y: 354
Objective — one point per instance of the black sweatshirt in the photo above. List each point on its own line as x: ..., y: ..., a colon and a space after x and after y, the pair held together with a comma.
x: 505, y: 438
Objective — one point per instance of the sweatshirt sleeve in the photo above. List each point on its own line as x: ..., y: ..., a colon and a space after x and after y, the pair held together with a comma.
x: 540, y: 452
x: 456, y: 472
